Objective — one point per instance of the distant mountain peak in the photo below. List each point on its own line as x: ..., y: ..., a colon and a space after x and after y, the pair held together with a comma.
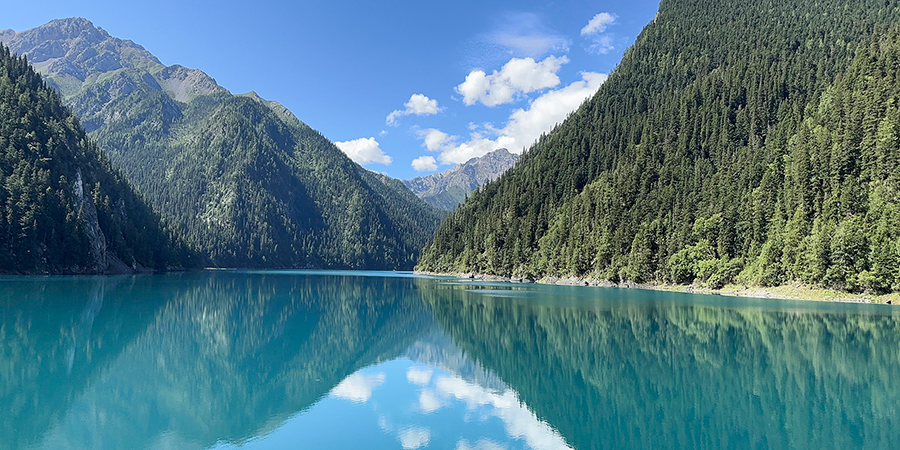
x: 449, y: 188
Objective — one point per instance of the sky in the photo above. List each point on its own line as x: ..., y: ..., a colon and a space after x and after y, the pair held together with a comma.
x: 405, y: 88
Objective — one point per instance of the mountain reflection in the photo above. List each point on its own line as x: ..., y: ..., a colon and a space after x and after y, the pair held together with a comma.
x: 221, y: 357
x: 632, y: 373
x: 224, y: 359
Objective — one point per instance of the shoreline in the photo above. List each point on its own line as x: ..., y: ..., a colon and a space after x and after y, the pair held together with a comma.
x: 794, y: 291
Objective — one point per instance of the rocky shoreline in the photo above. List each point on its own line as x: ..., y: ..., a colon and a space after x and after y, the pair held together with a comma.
x: 787, y: 292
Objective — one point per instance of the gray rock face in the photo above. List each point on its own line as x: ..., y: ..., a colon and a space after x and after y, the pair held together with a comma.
x: 185, y: 84
x: 74, y: 55
x: 92, y: 226
x: 67, y: 51
x: 447, y: 189
x: 97, y: 73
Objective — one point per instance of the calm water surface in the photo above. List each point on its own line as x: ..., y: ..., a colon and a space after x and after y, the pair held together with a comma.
x: 272, y: 360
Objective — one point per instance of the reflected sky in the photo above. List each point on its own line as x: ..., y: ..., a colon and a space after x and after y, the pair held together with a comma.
x: 411, y: 405
x: 294, y: 359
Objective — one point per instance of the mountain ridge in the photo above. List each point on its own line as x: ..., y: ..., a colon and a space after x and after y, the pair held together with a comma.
x: 268, y: 191
x: 447, y: 189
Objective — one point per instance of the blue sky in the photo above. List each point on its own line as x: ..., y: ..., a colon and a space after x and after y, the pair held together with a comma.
x: 396, y: 83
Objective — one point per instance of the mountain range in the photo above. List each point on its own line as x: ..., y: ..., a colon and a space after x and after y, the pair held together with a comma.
x: 446, y: 190
x: 241, y: 179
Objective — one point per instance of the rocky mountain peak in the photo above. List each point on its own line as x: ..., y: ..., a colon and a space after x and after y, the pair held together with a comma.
x: 447, y: 189
x: 67, y: 51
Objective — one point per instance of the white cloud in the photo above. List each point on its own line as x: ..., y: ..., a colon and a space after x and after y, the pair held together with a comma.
x: 602, y: 44
x: 414, y: 437
x: 434, y: 140
x: 418, y: 105
x: 598, y: 23
x: 518, y: 76
x: 525, y: 126
x: 419, y: 375
x: 364, y: 151
x: 524, y: 34
x: 424, y: 164
x: 421, y: 105
x: 522, y: 129
x: 358, y: 387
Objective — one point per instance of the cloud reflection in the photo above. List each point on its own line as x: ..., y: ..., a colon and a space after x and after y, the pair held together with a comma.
x: 414, y: 437
x: 358, y: 387
x: 428, y: 401
x: 419, y: 375
x: 519, y: 421
x: 481, y: 444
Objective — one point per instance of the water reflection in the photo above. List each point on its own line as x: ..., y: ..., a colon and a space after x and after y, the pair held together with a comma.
x: 221, y: 357
x: 228, y: 360
x: 654, y: 370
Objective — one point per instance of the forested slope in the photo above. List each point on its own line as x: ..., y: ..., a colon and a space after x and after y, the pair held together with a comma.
x: 244, y: 181
x: 736, y: 141
x: 63, y: 208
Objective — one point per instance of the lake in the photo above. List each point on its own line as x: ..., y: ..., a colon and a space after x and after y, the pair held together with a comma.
x: 305, y: 359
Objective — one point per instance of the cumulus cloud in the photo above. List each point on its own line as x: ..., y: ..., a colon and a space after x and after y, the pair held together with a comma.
x: 518, y: 76
x: 524, y: 127
x: 414, y: 437
x: 364, y: 151
x: 598, y: 24
x: 601, y: 43
x: 434, y: 140
x: 418, y: 105
x: 424, y: 164
x: 358, y: 387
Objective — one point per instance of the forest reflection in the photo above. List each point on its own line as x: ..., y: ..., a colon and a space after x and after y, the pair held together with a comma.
x: 197, y: 360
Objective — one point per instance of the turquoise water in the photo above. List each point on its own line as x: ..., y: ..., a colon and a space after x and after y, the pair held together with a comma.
x: 288, y: 359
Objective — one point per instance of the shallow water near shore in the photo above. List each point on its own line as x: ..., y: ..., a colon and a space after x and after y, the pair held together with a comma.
x: 331, y: 359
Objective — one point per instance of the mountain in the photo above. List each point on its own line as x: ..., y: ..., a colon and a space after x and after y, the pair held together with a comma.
x: 63, y: 208
x: 241, y: 178
x: 751, y: 142
x: 447, y: 189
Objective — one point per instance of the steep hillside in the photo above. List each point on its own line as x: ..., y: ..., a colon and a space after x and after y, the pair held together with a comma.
x: 447, y: 189
x: 63, y: 209
x: 246, y: 182
x: 736, y: 141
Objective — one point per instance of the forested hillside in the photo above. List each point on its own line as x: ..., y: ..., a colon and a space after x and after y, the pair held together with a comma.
x: 737, y: 141
x: 244, y: 181
x: 63, y: 209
